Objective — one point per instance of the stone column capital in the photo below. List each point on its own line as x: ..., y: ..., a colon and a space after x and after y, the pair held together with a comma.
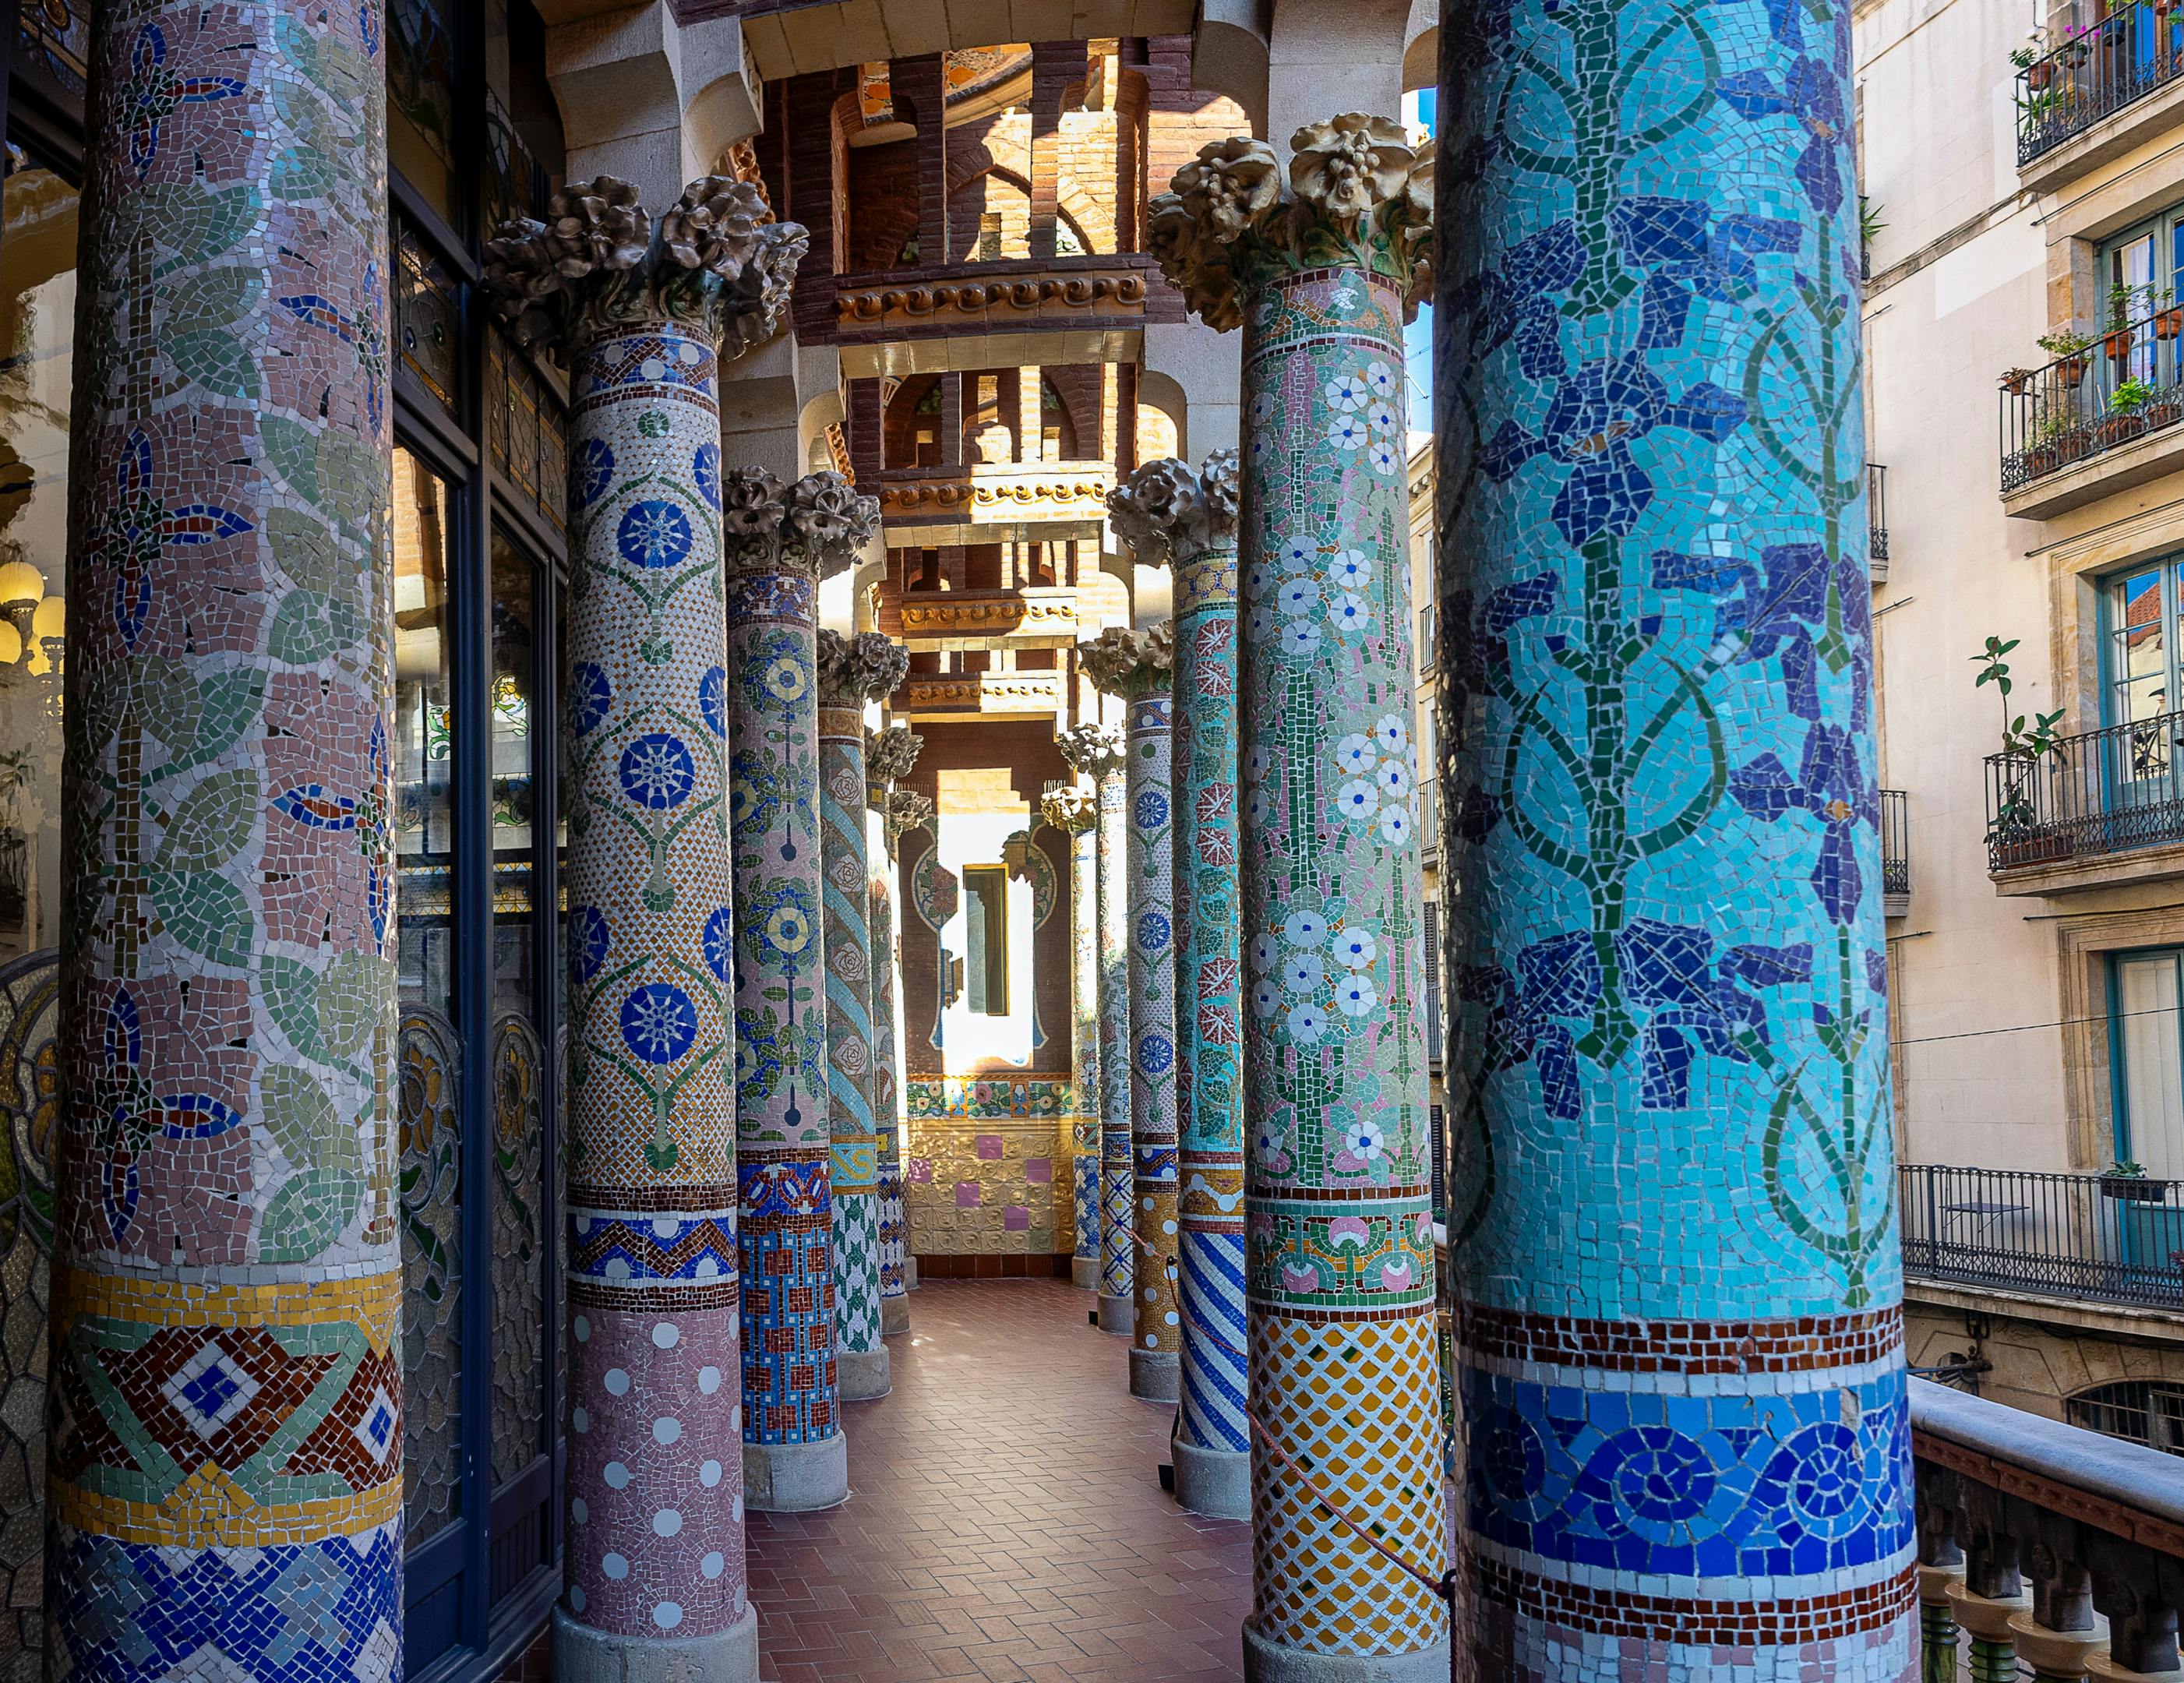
x: 1169, y: 511
x: 906, y: 812
x: 1356, y: 193
x: 715, y: 263
x: 1070, y: 810
x: 856, y: 670
x: 1092, y: 749
x: 889, y: 754
x: 1130, y: 663
x: 814, y: 527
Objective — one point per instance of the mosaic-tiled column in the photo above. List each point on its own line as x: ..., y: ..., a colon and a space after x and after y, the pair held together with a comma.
x: 1097, y: 750
x: 656, y: 1550
x: 1136, y: 666
x: 1339, y: 1242
x: 852, y: 671
x: 1673, y: 1238
x: 1169, y: 511
x: 782, y: 540
x: 224, y: 1471
x: 889, y: 754
x: 1075, y: 813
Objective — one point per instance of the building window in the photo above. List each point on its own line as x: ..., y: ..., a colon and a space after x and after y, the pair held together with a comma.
x: 986, y: 938
x: 2137, y: 269
x: 2150, y: 1412
x: 2146, y: 1056
x: 2139, y: 611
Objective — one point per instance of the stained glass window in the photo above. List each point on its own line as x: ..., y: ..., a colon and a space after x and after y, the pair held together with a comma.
x: 52, y: 36
x: 421, y: 99
x: 524, y: 430
x: 427, y: 313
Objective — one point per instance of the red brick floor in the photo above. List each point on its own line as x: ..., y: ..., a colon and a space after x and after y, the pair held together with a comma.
x: 1005, y: 1523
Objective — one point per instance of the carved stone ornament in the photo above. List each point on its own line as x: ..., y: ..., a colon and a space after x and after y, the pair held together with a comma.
x: 1092, y: 749
x: 715, y: 263
x: 1357, y: 193
x: 952, y: 302
x: 1166, y: 511
x: 816, y: 527
x: 890, y: 754
x: 906, y: 812
x: 1071, y: 809
x: 1130, y: 662
x: 856, y: 670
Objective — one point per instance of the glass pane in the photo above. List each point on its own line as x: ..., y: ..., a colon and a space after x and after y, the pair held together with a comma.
x: 431, y: 1106
x: 518, y: 1062
x: 2138, y: 661
x: 425, y: 313
x: 421, y: 99
x: 2152, y: 1127
x: 55, y: 35
x: 524, y: 430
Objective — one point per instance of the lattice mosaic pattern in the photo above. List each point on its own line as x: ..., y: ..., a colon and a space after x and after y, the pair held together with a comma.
x: 846, y: 941
x: 230, y: 989
x: 1666, y: 952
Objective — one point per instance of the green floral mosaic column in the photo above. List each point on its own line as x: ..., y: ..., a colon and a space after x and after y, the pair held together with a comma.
x: 1188, y: 517
x: 1097, y: 751
x: 1339, y: 1242
x: 782, y: 542
x: 889, y: 755
x: 1075, y: 813
x: 226, y: 1274
x: 644, y: 316
x: 852, y: 671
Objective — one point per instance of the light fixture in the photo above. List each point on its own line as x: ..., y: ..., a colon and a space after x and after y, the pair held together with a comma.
x: 21, y: 582
x: 50, y: 618
x: 11, y: 644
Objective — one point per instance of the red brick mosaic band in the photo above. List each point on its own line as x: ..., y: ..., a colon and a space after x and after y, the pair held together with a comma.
x: 1692, y: 1620
x: 1342, y: 1314
x: 617, y: 1201
x: 1801, y: 1343
x: 1278, y: 1193
x: 653, y: 1298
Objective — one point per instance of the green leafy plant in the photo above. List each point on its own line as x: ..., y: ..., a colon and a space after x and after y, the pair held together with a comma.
x: 2065, y: 342
x: 2123, y: 1168
x: 2131, y: 397
x: 2034, y: 49
x: 1869, y: 224
x: 2023, y: 745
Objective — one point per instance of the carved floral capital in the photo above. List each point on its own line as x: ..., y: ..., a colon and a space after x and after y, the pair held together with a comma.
x: 1167, y: 510
x: 906, y: 812
x: 856, y: 670
x: 1092, y: 749
x: 1129, y: 663
x: 1070, y: 809
x: 816, y: 527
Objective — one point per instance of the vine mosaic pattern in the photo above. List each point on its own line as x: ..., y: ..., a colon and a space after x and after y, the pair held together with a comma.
x: 30, y: 1112
x: 226, y: 1275
x: 519, y: 1255
x: 431, y: 1171
x: 1665, y: 957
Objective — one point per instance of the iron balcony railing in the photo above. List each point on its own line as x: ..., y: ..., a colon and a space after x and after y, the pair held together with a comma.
x: 1876, y: 509
x: 2101, y: 792
x: 2136, y: 50
x: 1895, y: 842
x: 2122, y: 386
x: 2106, y: 1238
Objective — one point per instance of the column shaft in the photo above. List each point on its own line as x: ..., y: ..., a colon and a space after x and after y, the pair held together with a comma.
x: 886, y: 1104
x: 1156, y: 1340
x: 1085, y: 1037
x: 225, y: 1419
x: 1663, y: 856
x: 1118, y: 1182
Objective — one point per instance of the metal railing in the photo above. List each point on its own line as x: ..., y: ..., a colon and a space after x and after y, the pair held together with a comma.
x: 2124, y: 384
x: 1876, y: 509
x: 1895, y: 842
x: 2136, y: 50
x: 2108, y: 1238
x: 2099, y: 792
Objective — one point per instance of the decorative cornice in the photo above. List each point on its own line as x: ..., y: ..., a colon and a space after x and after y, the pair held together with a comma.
x: 1357, y: 193
x: 814, y: 527
x: 716, y: 262
x: 1069, y: 808
x: 1167, y: 511
x: 948, y: 303
x: 856, y: 670
x: 998, y: 691
x: 1029, y: 609
x: 1092, y: 749
x: 1129, y: 663
x: 1059, y: 493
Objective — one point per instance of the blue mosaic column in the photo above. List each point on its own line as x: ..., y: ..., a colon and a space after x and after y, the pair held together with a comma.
x: 1680, y: 1344
x: 852, y: 671
x: 655, y: 1551
x: 1075, y: 813
x: 224, y: 1467
x: 1137, y: 666
x: 1187, y: 516
x: 782, y: 542
x: 1097, y: 750
x: 889, y: 754
x: 1339, y: 1238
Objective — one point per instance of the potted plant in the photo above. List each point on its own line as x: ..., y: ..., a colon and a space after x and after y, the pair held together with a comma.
x: 2067, y: 347
x: 2119, y: 339
x: 2032, y: 59
x: 2124, y: 419
x: 2015, y: 834
x: 2017, y: 382
x: 2125, y: 1178
x: 2168, y: 315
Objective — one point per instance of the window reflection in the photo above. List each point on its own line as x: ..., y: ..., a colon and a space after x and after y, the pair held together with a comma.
x: 424, y: 738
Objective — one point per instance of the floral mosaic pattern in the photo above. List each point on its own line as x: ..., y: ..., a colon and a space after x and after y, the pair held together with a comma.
x: 1662, y: 814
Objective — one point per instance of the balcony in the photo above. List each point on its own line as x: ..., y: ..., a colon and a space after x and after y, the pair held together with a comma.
x: 2098, y: 808
x: 2088, y: 1238
x: 995, y: 503
x: 927, y: 696
x: 2101, y: 421
x: 1876, y: 515
x: 1037, y: 616
x: 2046, y: 1544
x: 1011, y: 313
x: 2099, y: 94
x: 1895, y: 853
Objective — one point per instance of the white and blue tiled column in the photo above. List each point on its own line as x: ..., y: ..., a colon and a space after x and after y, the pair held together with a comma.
x: 1676, y: 1270
x: 1075, y: 812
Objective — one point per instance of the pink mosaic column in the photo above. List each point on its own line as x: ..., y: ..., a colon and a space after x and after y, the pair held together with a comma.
x: 1344, y: 1375
x: 655, y: 1536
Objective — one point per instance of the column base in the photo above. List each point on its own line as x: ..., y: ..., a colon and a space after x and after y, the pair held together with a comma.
x: 583, y: 1655
x: 910, y: 1273
x: 1265, y: 1662
x: 1156, y: 1375
x: 863, y: 1374
x: 796, y: 1478
x: 1118, y: 1314
x: 1216, y: 1483
x: 1084, y: 1272
x: 894, y: 1316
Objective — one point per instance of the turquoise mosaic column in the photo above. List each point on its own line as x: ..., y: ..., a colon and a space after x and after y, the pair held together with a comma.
x: 782, y: 542
x: 656, y: 1550
x: 1075, y: 813
x: 1680, y: 1341
x: 224, y: 1468
x: 1137, y: 666
x: 1169, y: 511
x: 1339, y: 1238
x: 1097, y: 750
x: 852, y: 671
x: 889, y: 754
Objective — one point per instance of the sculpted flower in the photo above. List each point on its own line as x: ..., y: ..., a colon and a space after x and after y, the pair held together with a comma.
x: 519, y: 268
x: 596, y: 226
x: 1221, y: 485
x: 1231, y: 183
x: 827, y: 515
x: 1156, y: 504
x: 714, y: 226
x: 1350, y: 166
x: 750, y: 502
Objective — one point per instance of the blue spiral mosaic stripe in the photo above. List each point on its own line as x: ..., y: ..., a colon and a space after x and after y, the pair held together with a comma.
x: 1213, y: 1347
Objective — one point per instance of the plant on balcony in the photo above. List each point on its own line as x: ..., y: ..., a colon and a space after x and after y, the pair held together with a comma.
x: 2124, y: 304
x: 2125, y: 1178
x: 2032, y: 59
x: 1869, y: 225
x: 2013, y: 836
x: 2017, y: 382
x: 2068, y: 346
x: 2056, y: 438
x: 2126, y: 417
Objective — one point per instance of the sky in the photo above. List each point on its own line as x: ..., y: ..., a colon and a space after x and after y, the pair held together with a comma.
x: 1418, y: 339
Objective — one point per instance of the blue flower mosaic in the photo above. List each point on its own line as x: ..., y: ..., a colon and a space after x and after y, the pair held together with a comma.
x: 652, y: 534
x: 589, y: 942
x: 1152, y: 810
x: 659, y: 1022
x: 720, y: 944
x: 591, y: 471
x: 1154, y: 932
x: 591, y: 693
x: 656, y: 771
x: 712, y: 701
x: 705, y: 470
x: 1155, y: 1054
